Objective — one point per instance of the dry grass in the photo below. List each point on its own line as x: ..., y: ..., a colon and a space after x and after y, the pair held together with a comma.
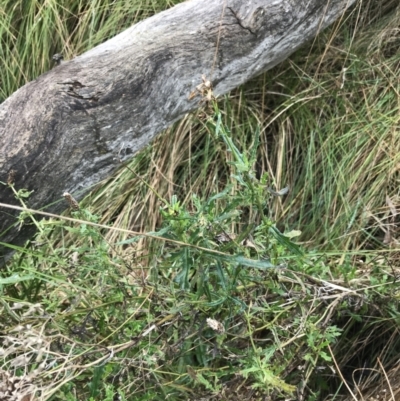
x: 328, y: 133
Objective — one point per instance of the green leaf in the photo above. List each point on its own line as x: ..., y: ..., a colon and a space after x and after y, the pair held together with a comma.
x: 292, y: 234
x: 16, y: 278
x: 239, y: 259
x: 285, y: 241
x: 258, y: 264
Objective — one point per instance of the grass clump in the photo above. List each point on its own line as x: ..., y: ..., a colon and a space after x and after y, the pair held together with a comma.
x: 32, y: 31
x: 328, y: 120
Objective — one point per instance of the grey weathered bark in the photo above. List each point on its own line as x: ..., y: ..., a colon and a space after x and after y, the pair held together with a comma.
x: 64, y: 130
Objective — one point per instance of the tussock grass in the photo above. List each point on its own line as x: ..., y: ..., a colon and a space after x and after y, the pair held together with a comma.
x: 196, y: 314
x: 336, y: 147
x: 33, y: 31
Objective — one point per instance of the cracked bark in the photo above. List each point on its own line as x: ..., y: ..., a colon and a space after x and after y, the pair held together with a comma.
x: 63, y: 131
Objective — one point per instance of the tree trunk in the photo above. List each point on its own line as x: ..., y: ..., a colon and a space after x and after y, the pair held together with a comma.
x: 67, y: 129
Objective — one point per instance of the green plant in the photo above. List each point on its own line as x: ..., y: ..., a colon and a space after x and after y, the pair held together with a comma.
x: 220, y: 255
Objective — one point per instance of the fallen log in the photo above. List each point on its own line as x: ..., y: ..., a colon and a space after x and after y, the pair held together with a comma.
x: 68, y: 129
